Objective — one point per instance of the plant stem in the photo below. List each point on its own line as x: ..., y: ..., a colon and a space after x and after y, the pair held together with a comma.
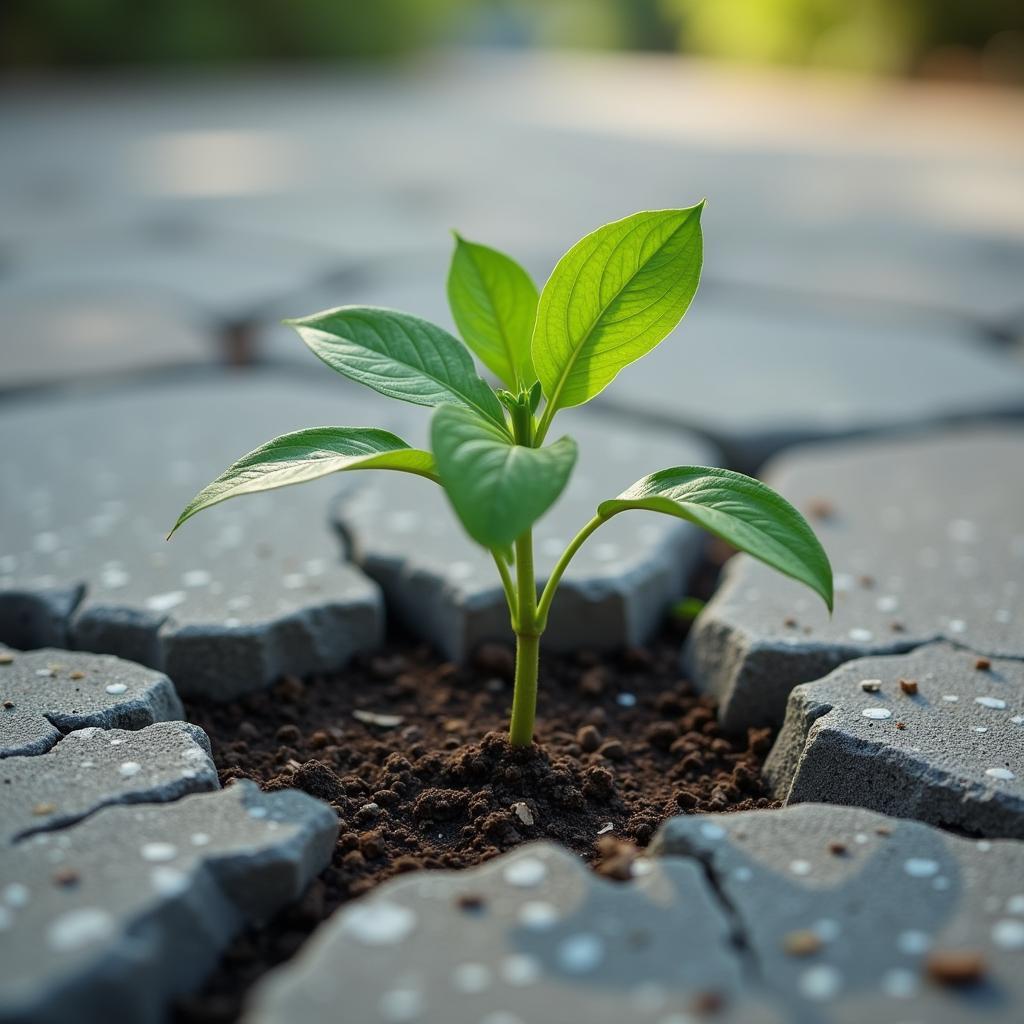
x: 524, y: 697
x: 524, y: 614
x: 560, y: 566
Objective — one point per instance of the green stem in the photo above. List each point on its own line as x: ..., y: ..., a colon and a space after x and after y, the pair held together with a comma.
x: 524, y: 615
x: 561, y: 565
x: 524, y: 699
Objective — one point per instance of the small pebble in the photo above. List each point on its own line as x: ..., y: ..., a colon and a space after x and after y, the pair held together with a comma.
x: 995, y: 703
x: 955, y: 968
x: 908, y: 686
x: 878, y: 714
x: 982, y: 664
x: 6, y: 658
x: 522, y: 811
x: 42, y: 809
x: 66, y: 877
x: 803, y: 942
x: 871, y: 685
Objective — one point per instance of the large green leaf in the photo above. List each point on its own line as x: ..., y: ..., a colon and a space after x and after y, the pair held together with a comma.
x: 494, y: 304
x: 498, y: 489
x: 612, y: 297
x: 740, y: 510
x: 307, y: 455
x: 399, y: 355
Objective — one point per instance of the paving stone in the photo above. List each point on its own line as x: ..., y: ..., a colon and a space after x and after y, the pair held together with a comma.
x: 925, y: 538
x: 110, y: 918
x: 757, y: 379
x: 92, y: 768
x: 841, y: 911
x: 223, y: 274
x: 532, y: 936
x: 48, y: 336
x: 615, y: 591
x: 53, y: 692
x: 950, y: 751
x: 242, y: 594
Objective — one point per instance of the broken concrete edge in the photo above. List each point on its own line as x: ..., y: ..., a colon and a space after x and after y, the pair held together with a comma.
x: 752, y: 858
x: 599, y: 612
x: 727, y: 661
x: 528, y: 877
x: 315, y: 832
x: 198, y: 776
x: 35, y: 619
x: 917, y: 789
x: 316, y: 638
x: 222, y: 893
x: 159, y: 703
x: 222, y: 663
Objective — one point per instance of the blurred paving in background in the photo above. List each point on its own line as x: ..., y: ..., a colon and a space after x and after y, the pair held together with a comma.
x: 230, y: 200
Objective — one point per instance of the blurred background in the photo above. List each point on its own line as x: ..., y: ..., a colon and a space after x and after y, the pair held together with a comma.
x: 177, y: 175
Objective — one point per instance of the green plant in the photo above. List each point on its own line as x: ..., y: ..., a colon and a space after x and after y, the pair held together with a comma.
x: 611, y: 298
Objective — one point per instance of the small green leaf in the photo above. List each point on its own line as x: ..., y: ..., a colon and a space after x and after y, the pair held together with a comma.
x: 498, y: 489
x: 612, y: 298
x: 307, y: 455
x: 494, y: 304
x: 399, y: 355
x: 739, y: 510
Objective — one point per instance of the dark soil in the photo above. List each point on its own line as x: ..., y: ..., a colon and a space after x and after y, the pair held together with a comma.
x: 623, y: 743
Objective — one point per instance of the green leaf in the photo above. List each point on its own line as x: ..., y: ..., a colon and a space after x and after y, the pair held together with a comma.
x: 612, y: 298
x: 307, y: 455
x: 494, y: 304
x: 740, y: 510
x: 399, y: 355
x: 498, y: 489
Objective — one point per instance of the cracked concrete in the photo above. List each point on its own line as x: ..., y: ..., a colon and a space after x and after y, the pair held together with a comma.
x: 916, y: 560
x: 845, y: 912
x: 93, y: 768
x: 109, y: 918
x: 531, y: 936
x: 47, y: 693
x: 809, y: 915
x: 936, y: 735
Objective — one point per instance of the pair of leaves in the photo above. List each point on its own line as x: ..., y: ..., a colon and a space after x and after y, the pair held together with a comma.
x: 498, y: 489
x: 611, y: 298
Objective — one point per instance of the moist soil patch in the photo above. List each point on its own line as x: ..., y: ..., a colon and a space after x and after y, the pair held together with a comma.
x: 411, y: 752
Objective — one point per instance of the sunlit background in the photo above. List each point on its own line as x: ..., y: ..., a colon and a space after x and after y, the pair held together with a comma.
x: 177, y: 175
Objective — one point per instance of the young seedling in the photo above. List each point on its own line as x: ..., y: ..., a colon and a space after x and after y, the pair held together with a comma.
x: 612, y: 298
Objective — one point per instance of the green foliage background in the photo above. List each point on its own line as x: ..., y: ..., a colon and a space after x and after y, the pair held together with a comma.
x: 883, y: 36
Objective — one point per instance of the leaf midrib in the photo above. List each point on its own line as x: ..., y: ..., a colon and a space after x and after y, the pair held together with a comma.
x: 563, y: 377
x: 510, y: 355
x: 444, y: 385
